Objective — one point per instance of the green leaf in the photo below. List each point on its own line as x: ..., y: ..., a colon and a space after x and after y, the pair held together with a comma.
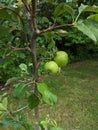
x: 5, y: 15
x: 2, y: 108
x: 51, y: 1
x: 7, y: 122
x: 17, y: 126
x: 89, y: 28
x: 4, y: 31
x: 51, y: 44
x: 45, y: 19
x: 48, y: 35
x: 47, y: 96
x: 93, y: 17
x: 93, y: 26
x: 33, y: 101
x: 44, y: 124
x: 23, y: 67
x: 62, y: 8
x: 11, y: 80
x: 61, y: 32
x: 2, y: 115
x: 82, y: 7
x: 19, y: 90
x: 42, y: 87
x: 3, y: 104
x: 2, y: 60
x: 90, y: 9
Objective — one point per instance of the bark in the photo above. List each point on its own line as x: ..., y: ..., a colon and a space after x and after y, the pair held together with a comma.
x: 31, y: 16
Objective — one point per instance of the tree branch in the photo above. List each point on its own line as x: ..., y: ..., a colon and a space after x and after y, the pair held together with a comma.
x: 20, y: 49
x: 34, y: 5
x: 55, y: 27
x: 19, y: 109
x: 25, y: 2
x: 31, y: 17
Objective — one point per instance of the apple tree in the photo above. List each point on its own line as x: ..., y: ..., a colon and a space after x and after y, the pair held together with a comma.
x: 28, y: 23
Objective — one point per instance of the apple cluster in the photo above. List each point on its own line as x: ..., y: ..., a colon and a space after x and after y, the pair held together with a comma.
x: 60, y: 60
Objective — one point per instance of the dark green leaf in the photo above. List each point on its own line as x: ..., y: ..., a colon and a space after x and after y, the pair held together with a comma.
x: 33, y: 101
x: 2, y: 60
x: 19, y: 90
x: 45, y: 19
x: 11, y: 80
x: 7, y: 122
x: 48, y: 36
x: 41, y: 51
x: 51, y: 1
x: 4, y: 31
x: 62, y: 8
x: 17, y: 126
x: 4, y: 14
x: 51, y: 44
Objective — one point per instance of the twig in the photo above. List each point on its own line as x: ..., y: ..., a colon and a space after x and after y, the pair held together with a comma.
x: 55, y: 27
x: 19, y: 109
x: 32, y: 82
x: 26, y: 5
x: 33, y: 14
x: 19, y: 49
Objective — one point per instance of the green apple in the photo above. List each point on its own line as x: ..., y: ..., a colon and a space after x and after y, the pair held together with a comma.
x: 51, y: 66
x: 61, y: 58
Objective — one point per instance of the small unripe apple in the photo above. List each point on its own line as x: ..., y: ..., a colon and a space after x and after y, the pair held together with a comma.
x: 51, y: 67
x: 61, y: 58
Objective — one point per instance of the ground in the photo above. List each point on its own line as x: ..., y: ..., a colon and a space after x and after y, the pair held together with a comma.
x: 77, y: 90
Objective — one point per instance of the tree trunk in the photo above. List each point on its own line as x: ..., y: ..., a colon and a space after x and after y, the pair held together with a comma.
x: 35, y: 68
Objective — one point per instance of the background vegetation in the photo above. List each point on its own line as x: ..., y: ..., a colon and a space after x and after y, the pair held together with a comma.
x: 78, y: 46
x: 76, y: 85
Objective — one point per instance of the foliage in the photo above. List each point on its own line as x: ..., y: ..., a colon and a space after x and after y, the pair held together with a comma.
x: 23, y: 27
x: 19, y: 39
x: 78, y: 46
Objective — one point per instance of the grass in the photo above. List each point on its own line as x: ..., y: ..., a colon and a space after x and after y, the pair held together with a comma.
x: 77, y: 91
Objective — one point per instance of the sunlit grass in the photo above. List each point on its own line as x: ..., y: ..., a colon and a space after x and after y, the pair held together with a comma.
x: 77, y: 91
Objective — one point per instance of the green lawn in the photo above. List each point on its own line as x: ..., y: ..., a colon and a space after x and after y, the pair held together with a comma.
x: 77, y: 91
